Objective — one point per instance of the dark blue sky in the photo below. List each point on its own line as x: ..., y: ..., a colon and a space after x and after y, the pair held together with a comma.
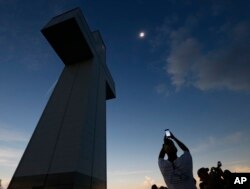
x: 190, y: 73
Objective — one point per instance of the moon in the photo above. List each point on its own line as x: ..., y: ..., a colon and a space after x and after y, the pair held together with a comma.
x: 142, y: 34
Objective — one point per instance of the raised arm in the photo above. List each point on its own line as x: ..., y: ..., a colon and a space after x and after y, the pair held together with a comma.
x: 180, y: 144
x: 162, y: 153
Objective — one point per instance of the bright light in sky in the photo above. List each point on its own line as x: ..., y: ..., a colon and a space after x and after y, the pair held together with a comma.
x: 142, y: 34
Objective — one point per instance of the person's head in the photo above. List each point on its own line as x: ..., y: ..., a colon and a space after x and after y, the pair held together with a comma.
x: 227, y: 174
x: 154, y: 186
x: 203, y: 174
x: 170, y: 148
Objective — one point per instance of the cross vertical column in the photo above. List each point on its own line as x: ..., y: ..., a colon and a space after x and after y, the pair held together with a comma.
x: 68, y: 147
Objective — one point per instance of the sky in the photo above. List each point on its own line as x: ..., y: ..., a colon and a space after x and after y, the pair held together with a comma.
x: 190, y: 73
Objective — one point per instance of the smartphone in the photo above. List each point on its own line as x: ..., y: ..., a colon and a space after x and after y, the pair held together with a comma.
x: 167, y: 133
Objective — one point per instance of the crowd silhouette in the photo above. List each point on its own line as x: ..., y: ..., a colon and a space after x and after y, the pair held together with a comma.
x: 213, y: 178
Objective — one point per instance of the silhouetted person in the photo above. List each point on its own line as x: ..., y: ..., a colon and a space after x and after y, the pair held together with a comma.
x: 227, y: 175
x: 216, y: 174
x: 154, y: 186
x: 204, y: 178
x: 210, y: 180
x: 176, y: 171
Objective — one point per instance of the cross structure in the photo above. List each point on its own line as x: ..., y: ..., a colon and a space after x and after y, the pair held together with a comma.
x: 68, y: 147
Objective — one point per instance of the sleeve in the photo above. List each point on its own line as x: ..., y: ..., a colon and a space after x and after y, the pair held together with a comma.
x: 186, y: 156
x: 186, y: 160
x: 162, y: 163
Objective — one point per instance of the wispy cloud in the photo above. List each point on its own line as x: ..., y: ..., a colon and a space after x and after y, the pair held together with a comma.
x: 220, y: 63
x: 240, y: 169
x: 236, y: 137
x: 207, y: 143
x: 10, y: 150
x: 137, y: 179
x: 238, y: 166
x: 162, y: 89
x: 5, y: 182
x: 9, y: 157
x: 148, y: 182
x: 133, y: 172
x: 10, y: 135
x: 9, y: 153
x: 211, y: 142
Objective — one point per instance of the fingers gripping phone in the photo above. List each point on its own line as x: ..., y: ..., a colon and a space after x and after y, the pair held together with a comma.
x: 168, y: 134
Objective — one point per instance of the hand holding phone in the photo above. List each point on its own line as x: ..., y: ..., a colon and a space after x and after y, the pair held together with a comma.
x: 168, y: 134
